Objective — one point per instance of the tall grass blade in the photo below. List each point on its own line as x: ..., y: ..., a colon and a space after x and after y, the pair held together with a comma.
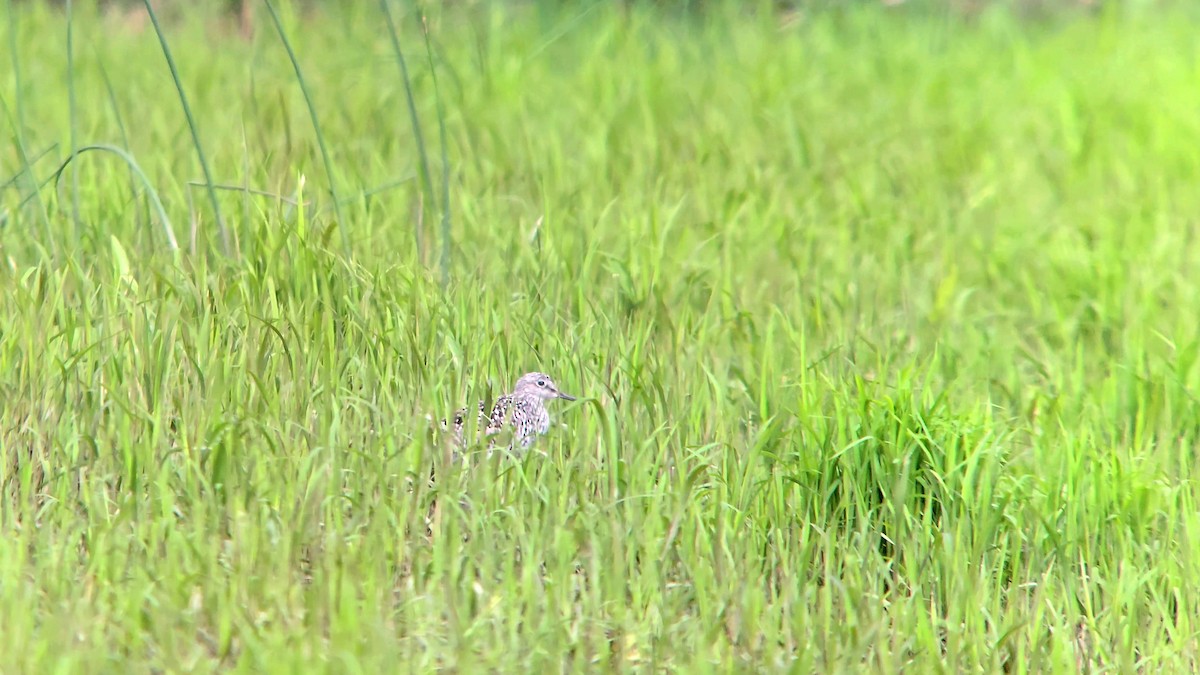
x: 192, y: 127
x: 121, y: 129
x: 312, y: 113
x: 426, y: 176
x: 18, y: 126
x: 72, y: 112
x: 441, y: 115
x: 22, y: 173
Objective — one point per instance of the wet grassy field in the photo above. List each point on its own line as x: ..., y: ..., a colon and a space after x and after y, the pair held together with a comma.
x: 883, y: 324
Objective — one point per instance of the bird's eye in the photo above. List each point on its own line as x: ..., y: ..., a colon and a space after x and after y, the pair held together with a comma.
x: 541, y: 383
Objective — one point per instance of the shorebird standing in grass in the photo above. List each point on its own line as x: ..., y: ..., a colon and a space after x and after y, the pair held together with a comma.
x: 523, y: 412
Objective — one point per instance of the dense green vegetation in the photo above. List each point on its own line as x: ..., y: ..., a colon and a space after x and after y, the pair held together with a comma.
x: 883, y: 323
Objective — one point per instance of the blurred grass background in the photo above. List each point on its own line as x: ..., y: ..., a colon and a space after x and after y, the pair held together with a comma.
x: 884, y: 316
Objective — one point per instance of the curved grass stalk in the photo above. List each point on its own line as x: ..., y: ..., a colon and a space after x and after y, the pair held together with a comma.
x: 137, y: 170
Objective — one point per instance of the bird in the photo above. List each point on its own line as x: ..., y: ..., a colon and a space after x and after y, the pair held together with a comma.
x: 522, y: 411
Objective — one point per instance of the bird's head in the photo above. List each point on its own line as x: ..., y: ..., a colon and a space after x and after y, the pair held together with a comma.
x: 539, y: 385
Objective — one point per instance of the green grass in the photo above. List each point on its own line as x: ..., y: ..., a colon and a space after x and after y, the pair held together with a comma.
x: 884, y: 323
